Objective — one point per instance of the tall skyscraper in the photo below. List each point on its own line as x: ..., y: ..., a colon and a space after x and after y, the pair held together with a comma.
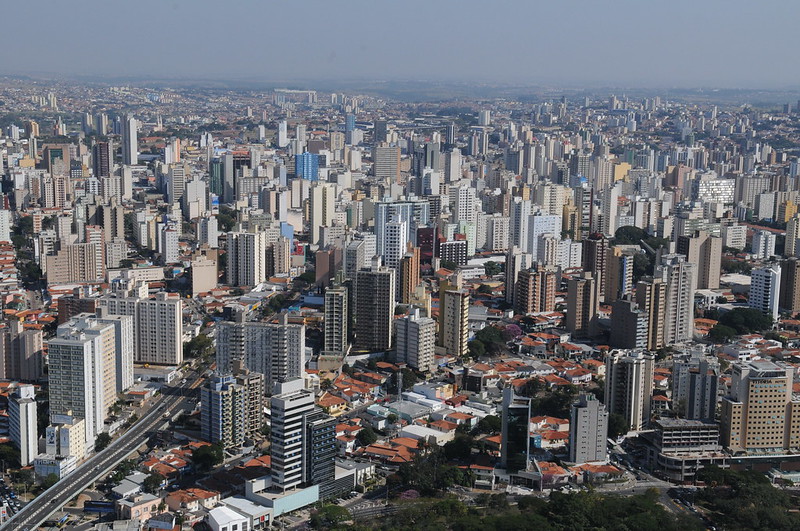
x: 102, y: 159
x: 374, y: 311
x: 176, y: 183
x: 651, y: 297
x: 619, y: 265
x: 303, y: 439
x: 679, y: 276
x: 337, y: 319
x: 321, y: 199
x: 22, y: 423
x: 705, y: 251
x: 760, y: 414
x: 763, y: 246
x: 792, y: 235
x: 306, y: 166
x: 124, y: 345
x: 515, y: 434
x: 581, y: 305
x: 276, y: 350
x: 380, y: 131
x: 516, y: 261
x: 21, y: 352
x: 588, y: 430
x: 246, y: 258
x: 416, y: 342
x: 82, y: 372
x: 453, y: 317
x: 765, y: 286
x: 629, y: 325
x: 536, y: 290
x: 790, y: 285
x: 386, y: 163
x: 283, y: 134
x: 232, y: 407
x: 409, y: 273
x: 130, y: 141
x: 695, y: 383
x: 629, y: 386
x: 157, y: 324
x: 595, y: 256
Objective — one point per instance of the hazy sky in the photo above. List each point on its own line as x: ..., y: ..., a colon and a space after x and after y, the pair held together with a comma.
x: 637, y: 43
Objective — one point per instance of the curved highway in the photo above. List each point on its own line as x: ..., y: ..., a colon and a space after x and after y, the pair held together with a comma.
x: 33, y: 514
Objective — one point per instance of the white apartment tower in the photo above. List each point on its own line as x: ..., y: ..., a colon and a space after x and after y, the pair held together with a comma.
x: 416, y: 342
x: 22, y: 423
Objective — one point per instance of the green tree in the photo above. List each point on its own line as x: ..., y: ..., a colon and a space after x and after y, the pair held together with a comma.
x: 721, y: 333
x: 492, y: 268
x: 198, y: 347
x: 152, y: 483
x: 617, y: 425
x: 9, y: 455
x: 449, y: 265
x: 459, y: 449
x: 102, y: 441
x: 746, y: 320
x: 629, y: 235
x: 476, y: 348
x: 391, y: 418
x: 489, y: 424
x: 366, y: 436
x: 209, y: 456
x: 329, y: 516
x: 485, y: 289
x: 49, y: 481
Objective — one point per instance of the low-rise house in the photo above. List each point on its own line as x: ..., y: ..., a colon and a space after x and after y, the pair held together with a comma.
x: 138, y: 507
x: 192, y: 499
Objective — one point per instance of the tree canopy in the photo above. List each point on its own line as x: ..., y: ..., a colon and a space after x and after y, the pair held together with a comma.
x: 746, y: 320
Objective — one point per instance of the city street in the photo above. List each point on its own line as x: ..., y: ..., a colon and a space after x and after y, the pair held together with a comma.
x: 96, y: 467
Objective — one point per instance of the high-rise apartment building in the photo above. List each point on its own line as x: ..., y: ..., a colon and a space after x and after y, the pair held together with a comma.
x: 790, y: 285
x: 22, y: 423
x: 760, y: 414
x: 705, y: 251
x: 82, y: 372
x: 21, y: 352
x: 515, y: 432
x: 516, y: 261
x: 232, y: 407
x: 453, y: 317
x: 124, y: 345
x: 535, y: 290
x: 320, y: 208
x: 275, y: 349
x: 588, y: 430
x: 130, y: 141
x: 303, y: 438
x: 416, y: 342
x: 629, y: 386
x: 629, y: 325
x: 582, y: 305
x: 246, y: 258
x: 337, y: 319
x: 409, y: 273
x: 680, y: 278
x: 765, y: 286
x: 374, y: 311
x: 157, y: 324
x: 651, y: 297
x: 102, y: 159
x: 386, y: 163
x: 595, y: 256
x: 695, y: 383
